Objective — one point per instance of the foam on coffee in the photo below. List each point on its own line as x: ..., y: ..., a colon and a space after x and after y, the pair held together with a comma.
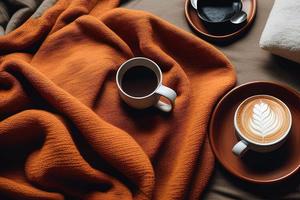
x: 263, y: 119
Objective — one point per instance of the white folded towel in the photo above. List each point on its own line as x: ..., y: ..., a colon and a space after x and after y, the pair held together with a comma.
x: 281, y: 35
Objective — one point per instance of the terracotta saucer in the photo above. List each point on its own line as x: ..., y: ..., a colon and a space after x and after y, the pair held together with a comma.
x: 256, y: 167
x: 249, y: 6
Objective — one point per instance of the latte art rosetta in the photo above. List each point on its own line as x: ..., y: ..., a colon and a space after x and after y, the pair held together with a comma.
x: 264, y: 120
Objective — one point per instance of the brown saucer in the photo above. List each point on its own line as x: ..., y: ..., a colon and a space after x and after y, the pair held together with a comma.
x: 249, y: 6
x: 256, y: 167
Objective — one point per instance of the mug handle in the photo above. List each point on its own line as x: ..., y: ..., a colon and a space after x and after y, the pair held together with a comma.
x: 240, y: 148
x: 169, y: 94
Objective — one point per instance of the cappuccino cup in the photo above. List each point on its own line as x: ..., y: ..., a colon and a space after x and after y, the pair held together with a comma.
x: 262, y: 123
x: 139, y: 81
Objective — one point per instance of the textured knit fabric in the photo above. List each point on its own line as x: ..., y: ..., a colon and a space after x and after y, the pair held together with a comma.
x: 66, y: 134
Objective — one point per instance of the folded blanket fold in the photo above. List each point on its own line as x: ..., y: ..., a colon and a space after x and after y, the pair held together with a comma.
x: 66, y: 134
x: 281, y: 35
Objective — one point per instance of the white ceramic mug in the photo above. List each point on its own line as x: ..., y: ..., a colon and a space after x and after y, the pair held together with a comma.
x: 245, y: 144
x: 151, y: 99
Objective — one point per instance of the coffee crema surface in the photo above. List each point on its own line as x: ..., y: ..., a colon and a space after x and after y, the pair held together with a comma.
x: 263, y: 119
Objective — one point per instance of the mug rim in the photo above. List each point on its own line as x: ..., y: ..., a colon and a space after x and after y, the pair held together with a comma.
x: 242, y: 137
x: 139, y: 58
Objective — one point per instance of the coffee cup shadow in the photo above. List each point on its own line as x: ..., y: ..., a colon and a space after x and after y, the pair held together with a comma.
x: 267, y: 162
x: 147, y: 119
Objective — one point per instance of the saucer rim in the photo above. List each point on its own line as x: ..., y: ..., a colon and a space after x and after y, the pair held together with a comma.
x: 212, y: 145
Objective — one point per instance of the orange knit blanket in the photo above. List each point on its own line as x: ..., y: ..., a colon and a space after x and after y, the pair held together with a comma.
x: 66, y: 134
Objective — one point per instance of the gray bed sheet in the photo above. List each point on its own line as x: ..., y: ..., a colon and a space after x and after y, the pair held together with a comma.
x: 13, y: 13
x: 251, y: 64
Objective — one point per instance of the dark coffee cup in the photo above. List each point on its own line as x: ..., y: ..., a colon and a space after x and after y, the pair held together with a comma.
x: 216, y: 14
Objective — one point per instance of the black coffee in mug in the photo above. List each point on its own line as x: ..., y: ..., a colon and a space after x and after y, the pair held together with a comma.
x: 139, y: 81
